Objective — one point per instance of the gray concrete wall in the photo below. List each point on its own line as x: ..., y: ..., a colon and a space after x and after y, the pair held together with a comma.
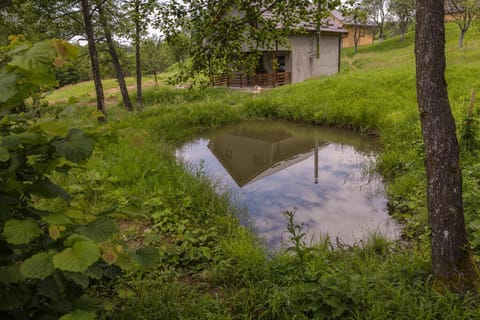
x: 301, y: 56
x: 305, y: 64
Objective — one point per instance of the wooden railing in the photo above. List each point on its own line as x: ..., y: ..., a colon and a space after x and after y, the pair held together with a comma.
x: 240, y: 80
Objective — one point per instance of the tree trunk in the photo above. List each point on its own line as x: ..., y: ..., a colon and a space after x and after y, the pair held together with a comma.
x: 92, y: 48
x: 452, y: 262
x: 356, y: 37
x: 462, y: 36
x: 138, y: 66
x: 115, y: 61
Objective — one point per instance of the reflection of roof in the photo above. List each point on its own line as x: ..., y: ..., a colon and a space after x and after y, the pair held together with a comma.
x: 347, y: 20
x: 250, y: 154
x: 279, y: 166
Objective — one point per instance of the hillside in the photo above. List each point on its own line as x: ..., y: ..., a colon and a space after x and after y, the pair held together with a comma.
x: 210, y: 267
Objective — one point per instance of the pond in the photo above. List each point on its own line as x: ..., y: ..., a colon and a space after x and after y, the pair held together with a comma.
x: 324, y: 175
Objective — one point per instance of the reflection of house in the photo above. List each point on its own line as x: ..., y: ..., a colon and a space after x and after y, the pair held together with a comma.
x: 365, y: 30
x: 307, y: 55
x: 250, y: 154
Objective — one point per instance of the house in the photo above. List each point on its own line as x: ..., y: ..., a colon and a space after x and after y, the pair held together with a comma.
x: 308, y: 54
x: 366, y: 30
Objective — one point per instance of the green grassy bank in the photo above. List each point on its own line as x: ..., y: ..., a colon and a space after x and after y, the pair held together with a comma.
x: 212, y: 268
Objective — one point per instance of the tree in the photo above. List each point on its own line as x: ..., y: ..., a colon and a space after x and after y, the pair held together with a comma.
x: 139, y: 12
x: 115, y: 59
x: 452, y: 262
x: 377, y: 9
x: 156, y: 56
x: 37, y: 20
x: 404, y: 10
x: 463, y: 12
x: 357, y: 12
x: 92, y: 48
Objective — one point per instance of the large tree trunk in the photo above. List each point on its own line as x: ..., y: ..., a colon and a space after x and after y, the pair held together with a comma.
x: 92, y: 48
x: 138, y: 66
x: 115, y: 61
x: 452, y: 262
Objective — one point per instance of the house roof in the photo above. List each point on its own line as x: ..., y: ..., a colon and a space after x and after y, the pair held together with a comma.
x: 328, y: 24
x: 347, y: 20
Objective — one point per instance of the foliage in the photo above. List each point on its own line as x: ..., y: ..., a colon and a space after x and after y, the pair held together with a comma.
x: 404, y: 12
x: 52, y: 248
x: 156, y: 56
x: 377, y: 10
x: 357, y: 12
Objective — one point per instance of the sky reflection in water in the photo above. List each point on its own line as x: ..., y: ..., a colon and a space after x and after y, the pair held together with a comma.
x: 270, y: 167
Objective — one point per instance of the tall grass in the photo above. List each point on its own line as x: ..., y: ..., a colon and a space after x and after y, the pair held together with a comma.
x: 211, y: 267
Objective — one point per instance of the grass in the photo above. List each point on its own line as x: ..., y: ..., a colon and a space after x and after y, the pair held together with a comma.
x: 211, y: 267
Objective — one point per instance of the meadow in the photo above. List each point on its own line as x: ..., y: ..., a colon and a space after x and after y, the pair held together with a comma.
x: 211, y: 267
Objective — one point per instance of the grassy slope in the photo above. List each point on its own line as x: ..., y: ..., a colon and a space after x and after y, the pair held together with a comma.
x: 212, y: 268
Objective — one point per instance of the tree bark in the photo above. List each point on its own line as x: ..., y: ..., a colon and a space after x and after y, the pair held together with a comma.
x: 115, y: 61
x: 92, y: 48
x: 452, y: 262
x: 138, y: 66
x: 462, y: 36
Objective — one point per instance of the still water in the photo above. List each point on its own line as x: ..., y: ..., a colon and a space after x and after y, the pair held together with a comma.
x: 322, y: 173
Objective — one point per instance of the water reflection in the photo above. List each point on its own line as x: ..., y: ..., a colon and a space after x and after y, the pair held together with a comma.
x: 273, y: 167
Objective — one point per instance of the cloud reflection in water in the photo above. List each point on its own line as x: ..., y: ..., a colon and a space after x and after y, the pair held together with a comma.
x: 277, y: 174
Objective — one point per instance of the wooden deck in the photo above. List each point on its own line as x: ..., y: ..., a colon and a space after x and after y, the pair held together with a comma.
x: 239, y: 80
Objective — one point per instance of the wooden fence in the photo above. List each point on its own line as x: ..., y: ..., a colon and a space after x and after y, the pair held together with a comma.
x: 239, y: 80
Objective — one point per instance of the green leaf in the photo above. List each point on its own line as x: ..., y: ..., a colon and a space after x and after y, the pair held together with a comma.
x: 38, y: 266
x: 147, y: 257
x: 57, y: 219
x: 54, y: 127
x: 73, y: 239
x: 10, y: 274
x: 78, y: 258
x: 4, y: 155
x: 8, y: 85
x: 79, y: 315
x: 14, y: 140
x: 20, y: 231
x: 75, y: 147
x: 64, y: 51
x: 38, y: 59
x: 99, y: 230
x: 132, y: 211
x: 79, y: 278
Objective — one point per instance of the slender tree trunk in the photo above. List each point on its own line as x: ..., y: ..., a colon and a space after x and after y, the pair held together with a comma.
x: 92, y: 48
x: 452, y: 262
x: 356, y: 38
x: 462, y: 36
x: 115, y: 61
x: 156, y: 78
x: 138, y: 65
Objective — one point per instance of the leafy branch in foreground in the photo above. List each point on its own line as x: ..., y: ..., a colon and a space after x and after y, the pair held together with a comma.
x: 52, y: 247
